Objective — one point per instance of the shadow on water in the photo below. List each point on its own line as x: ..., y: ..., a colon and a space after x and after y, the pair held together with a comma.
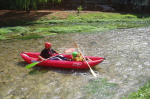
x: 22, y: 63
x: 45, y: 69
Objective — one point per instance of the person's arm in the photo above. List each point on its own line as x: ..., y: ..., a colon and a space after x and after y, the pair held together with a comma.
x: 40, y: 57
x: 55, y: 51
x: 58, y: 53
x: 80, y: 55
x: 81, y: 59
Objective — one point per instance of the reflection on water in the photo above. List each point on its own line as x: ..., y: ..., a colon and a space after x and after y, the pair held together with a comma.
x: 125, y: 69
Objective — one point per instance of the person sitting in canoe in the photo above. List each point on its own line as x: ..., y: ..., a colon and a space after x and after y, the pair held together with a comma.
x: 78, y: 57
x: 47, y: 52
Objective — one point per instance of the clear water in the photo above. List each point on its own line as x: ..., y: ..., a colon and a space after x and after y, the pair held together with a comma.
x: 125, y: 69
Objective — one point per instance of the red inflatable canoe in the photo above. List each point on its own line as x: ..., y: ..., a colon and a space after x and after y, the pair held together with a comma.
x: 31, y: 57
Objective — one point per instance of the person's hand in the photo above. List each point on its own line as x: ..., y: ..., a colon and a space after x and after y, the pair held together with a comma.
x: 44, y: 59
x: 58, y: 53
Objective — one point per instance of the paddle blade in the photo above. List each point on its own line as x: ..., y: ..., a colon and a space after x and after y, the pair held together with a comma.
x: 93, y: 73
x: 69, y: 50
x: 31, y: 65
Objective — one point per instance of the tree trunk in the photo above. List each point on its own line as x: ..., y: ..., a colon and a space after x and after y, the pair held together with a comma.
x: 28, y: 10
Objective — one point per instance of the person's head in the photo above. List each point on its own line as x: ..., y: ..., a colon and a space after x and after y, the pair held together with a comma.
x: 74, y: 54
x: 47, y: 45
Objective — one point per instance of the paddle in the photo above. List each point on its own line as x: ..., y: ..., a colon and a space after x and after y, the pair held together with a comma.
x: 34, y: 63
x: 75, y: 44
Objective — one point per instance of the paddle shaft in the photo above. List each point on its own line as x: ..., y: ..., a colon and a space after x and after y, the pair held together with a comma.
x: 85, y: 59
x: 35, y: 63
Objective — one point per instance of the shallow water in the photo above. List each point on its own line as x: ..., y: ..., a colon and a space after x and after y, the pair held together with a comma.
x: 125, y: 69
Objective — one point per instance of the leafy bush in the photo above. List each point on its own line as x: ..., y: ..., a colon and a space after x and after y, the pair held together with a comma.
x: 142, y: 93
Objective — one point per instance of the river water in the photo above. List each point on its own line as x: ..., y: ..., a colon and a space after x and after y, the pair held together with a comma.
x: 125, y: 69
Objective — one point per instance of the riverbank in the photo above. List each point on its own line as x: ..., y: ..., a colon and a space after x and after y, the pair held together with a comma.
x: 12, y: 17
x: 13, y: 22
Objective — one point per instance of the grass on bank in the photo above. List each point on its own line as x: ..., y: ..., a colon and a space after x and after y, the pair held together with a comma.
x: 98, y: 17
x: 30, y: 37
x: 38, y: 32
x: 44, y: 30
x: 142, y: 93
x: 74, y: 17
x: 95, y: 17
x: 88, y: 22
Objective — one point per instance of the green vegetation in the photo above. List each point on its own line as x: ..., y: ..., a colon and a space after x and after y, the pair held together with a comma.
x: 38, y: 32
x: 96, y: 17
x: 142, y: 93
x: 8, y: 30
x: 83, y: 18
x: 68, y: 29
x: 100, y: 88
x: 74, y: 23
x: 79, y: 9
x: 30, y: 37
x: 2, y: 38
